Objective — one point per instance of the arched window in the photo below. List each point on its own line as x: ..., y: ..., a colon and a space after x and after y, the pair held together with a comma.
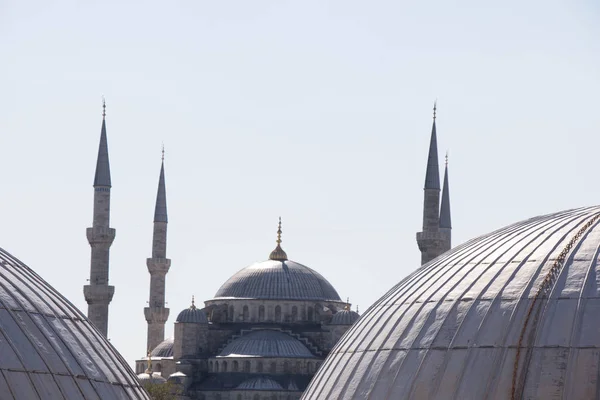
x: 294, y: 314
x: 224, y: 367
x: 286, y: 367
x: 273, y: 368
x: 246, y: 314
x: 210, y: 366
x: 261, y: 313
x: 310, y: 313
x: 259, y: 366
x: 311, y: 368
x: 216, y: 366
x: 236, y: 366
x: 158, y: 367
x: 246, y: 366
x: 298, y: 368
x: 231, y: 316
x: 278, y: 313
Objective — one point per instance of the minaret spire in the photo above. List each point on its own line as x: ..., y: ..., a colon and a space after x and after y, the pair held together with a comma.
x: 98, y: 294
x: 158, y: 265
x: 445, y: 218
x: 430, y: 239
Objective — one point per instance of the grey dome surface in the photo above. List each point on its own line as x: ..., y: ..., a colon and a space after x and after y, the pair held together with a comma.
x: 164, y: 349
x: 266, y: 343
x: 260, y: 383
x: 274, y: 279
x: 514, y: 314
x: 344, y: 317
x: 49, y: 349
x: 152, y: 377
x: 192, y: 315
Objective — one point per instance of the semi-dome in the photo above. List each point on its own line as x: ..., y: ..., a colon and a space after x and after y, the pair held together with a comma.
x: 509, y: 315
x: 266, y: 343
x: 49, y: 349
x: 164, y: 349
x: 344, y: 317
x: 278, y: 279
x: 192, y: 315
x: 259, y: 383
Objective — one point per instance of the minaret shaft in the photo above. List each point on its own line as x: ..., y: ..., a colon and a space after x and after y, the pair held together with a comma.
x: 98, y: 293
x: 156, y: 313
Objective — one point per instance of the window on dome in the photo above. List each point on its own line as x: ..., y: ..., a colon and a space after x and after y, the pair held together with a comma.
x: 294, y: 314
x: 259, y: 366
x: 310, y: 313
x: 246, y: 314
x: 231, y: 315
x: 236, y: 366
x: 278, y: 313
x: 247, y: 366
x: 224, y: 366
x: 261, y: 313
x: 273, y: 367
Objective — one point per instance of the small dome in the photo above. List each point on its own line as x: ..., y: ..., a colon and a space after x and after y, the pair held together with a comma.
x: 49, y: 349
x: 266, y: 343
x: 511, y: 314
x: 344, y: 317
x: 192, y: 315
x: 260, y: 383
x: 164, y: 349
x: 151, y: 377
x: 278, y: 279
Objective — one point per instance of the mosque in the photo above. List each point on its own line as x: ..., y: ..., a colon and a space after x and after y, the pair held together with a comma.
x: 508, y: 315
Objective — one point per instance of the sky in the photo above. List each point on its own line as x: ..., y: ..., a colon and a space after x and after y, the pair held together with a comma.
x: 316, y: 111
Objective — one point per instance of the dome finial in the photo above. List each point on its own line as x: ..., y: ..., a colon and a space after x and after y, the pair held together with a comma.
x: 193, y: 306
x: 347, y: 308
x: 149, y: 364
x: 278, y: 254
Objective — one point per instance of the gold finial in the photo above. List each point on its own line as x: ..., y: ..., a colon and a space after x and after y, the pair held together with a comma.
x: 193, y: 306
x: 434, y: 108
x: 163, y: 152
x: 278, y: 254
x: 279, y: 232
x: 103, y: 108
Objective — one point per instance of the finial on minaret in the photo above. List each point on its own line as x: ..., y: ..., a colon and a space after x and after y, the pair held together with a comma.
x: 163, y: 152
x: 446, y: 158
x: 278, y: 254
x: 103, y: 107
x: 434, y: 108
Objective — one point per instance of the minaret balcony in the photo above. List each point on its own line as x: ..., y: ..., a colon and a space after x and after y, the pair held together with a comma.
x: 156, y: 314
x: 100, y: 235
x: 158, y: 265
x: 98, y: 294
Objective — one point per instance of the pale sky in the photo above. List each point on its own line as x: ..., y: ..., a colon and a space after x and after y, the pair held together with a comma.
x: 315, y: 111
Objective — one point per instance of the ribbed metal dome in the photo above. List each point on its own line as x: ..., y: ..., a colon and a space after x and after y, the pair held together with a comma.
x: 266, y: 343
x: 192, y: 315
x: 164, y: 349
x: 274, y: 279
x: 49, y: 349
x: 259, y: 383
x: 514, y: 314
x: 344, y: 317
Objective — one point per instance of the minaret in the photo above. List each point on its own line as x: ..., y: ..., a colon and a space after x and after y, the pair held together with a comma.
x: 98, y: 294
x: 430, y: 239
x: 445, y: 219
x: 156, y: 313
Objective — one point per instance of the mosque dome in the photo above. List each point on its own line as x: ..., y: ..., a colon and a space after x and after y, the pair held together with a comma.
x: 266, y: 343
x: 344, y: 317
x: 278, y: 280
x: 259, y: 383
x: 151, y: 377
x: 49, y: 349
x: 164, y: 349
x: 513, y: 314
x: 192, y: 315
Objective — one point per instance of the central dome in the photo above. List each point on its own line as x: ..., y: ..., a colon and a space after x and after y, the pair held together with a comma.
x: 514, y: 314
x: 278, y: 279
